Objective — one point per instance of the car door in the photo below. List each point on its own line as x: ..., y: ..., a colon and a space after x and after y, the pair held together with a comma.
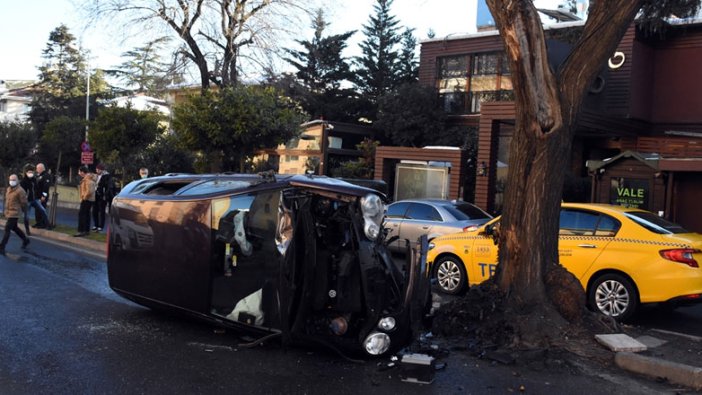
x: 483, y: 257
x: 393, y: 218
x: 583, y: 236
x: 419, y: 220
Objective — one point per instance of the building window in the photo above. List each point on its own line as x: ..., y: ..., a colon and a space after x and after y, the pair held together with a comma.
x: 465, y: 81
x: 453, y: 80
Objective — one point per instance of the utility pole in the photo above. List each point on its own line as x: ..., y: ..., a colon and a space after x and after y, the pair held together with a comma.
x: 87, y: 103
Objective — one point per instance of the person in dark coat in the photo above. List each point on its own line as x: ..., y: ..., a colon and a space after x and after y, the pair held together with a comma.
x: 28, y: 183
x: 103, y: 196
x: 15, y: 203
x: 43, y: 184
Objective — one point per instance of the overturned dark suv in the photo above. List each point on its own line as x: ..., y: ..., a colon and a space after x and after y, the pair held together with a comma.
x: 301, y: 258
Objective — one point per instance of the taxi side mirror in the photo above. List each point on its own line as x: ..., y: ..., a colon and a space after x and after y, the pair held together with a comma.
x: 489, y: 230
x: 492, y: 230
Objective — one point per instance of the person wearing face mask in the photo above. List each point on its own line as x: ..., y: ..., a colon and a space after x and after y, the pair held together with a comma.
x: 143, y: 172
x: 15, y: 202
x: 29, y: 185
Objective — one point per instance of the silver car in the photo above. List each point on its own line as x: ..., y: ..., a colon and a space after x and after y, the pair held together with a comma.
x: 410, y: 219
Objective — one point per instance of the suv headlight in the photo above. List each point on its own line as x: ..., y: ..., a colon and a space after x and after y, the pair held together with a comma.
x: 373, y: 211
x: 376, y: 343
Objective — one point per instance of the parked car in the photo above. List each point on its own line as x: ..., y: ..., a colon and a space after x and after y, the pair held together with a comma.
x: 298, y: 257
x: 623, y: 257
x: 407, y: 220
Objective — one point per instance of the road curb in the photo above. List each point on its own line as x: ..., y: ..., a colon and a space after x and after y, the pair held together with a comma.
x: 91, y: 245
x: 678, y: 373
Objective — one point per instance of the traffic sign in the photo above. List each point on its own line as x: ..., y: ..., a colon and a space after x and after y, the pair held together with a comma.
x: 87, y: 158
x: 85, y: 147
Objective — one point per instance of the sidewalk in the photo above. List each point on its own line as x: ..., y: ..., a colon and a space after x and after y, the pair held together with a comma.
x: 90, y: 245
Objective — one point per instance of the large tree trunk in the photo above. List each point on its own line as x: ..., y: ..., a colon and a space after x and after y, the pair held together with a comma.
x: 547, y: 104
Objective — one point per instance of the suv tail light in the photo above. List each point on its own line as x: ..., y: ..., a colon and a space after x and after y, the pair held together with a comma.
x: 681, y: 255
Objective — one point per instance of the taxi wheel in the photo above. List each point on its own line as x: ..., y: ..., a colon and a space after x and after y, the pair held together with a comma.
x: 613, y: 295
x: 451, y: 275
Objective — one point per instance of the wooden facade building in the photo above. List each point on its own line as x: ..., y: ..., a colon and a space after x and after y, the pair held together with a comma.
x: 646, y: 100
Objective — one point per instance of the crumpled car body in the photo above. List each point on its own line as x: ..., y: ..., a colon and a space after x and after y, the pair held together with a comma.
x: 302, y: 258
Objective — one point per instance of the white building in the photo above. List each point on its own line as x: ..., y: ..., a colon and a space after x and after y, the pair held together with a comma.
x: 15, y: 103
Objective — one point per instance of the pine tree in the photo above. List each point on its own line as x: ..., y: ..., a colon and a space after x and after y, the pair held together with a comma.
x: 62, y: 81
x: 321, y: 71
x: 377, y: 68
x: 408, y: 66
x: 143, y: 69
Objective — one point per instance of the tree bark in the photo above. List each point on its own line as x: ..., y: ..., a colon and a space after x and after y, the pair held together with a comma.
x: 547, y: 105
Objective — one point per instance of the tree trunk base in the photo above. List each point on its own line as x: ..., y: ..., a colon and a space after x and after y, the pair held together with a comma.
x: 486, y: 320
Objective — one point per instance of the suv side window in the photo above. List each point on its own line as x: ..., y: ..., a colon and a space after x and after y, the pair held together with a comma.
x: 397, y: 210
x: 423, y: 212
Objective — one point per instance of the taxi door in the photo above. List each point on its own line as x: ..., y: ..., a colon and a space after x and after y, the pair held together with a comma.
x: 583, y: 236
x: 483, y: 258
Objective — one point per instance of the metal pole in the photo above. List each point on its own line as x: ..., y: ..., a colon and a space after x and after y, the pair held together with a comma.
x: 87, y: 105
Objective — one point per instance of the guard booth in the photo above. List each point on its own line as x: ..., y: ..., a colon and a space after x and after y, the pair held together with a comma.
x: 669, y: 187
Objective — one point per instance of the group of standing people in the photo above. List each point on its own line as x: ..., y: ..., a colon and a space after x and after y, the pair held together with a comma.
x: 21, y: 195
x: 96, y: 191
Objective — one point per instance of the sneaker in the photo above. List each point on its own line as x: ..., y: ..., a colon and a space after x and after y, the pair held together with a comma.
x: 98, y: 230
x: 25, y: 243
x: 95, y: 228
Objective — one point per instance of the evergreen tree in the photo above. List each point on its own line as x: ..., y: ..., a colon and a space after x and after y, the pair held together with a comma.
x: 123, y: 137
x: 62, y: 81
x: 17, y: 139
x: 321, y: 70
x: 377, y: 68
x: 408, y: 66
x: 229, y: 125
x: 144, y: 71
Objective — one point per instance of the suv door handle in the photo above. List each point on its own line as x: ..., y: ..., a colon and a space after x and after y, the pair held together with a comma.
x: 587, y: 246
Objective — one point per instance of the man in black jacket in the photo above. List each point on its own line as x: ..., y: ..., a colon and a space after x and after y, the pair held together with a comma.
x: 28, y: 183
x: 43, y: 184
x: 103, y: 196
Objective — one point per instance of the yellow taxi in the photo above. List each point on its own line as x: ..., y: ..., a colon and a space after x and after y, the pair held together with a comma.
x: 623, y: 257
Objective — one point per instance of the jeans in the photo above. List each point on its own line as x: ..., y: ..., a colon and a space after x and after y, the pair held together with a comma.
x: 40, y: 211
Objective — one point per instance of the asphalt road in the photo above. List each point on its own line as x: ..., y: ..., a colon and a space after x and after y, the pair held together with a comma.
x: 62, y: 330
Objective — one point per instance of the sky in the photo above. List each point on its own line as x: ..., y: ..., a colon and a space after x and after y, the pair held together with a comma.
x: 25, y: 26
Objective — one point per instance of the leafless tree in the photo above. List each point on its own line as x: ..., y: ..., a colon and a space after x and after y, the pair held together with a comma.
x: 215, y: 34
x: 547, y: 107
